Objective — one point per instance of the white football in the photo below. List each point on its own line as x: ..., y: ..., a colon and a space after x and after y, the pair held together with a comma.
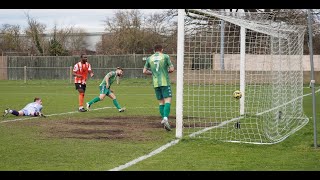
x: 237, y: 94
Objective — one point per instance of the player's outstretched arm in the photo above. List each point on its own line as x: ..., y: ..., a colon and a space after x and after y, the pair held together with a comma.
x: 42, y: 115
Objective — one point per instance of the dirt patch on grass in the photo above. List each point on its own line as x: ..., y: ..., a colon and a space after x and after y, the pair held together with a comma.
x: 126, y: 128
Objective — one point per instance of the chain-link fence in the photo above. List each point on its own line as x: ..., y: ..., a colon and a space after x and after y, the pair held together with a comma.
x: 60, y: 67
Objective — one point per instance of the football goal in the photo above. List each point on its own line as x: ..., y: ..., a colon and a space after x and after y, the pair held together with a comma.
x: 222, y: 52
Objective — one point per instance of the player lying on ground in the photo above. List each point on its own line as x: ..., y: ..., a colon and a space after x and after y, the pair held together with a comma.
x: 32, y: 109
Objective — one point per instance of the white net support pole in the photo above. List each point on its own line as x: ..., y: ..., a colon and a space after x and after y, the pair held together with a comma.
x: 179, y: 86
x: 242, y: 68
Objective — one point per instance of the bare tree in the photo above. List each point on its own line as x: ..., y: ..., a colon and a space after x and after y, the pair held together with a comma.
x: 55, y: 46
x: 164, y: 28
x: 291, y: 17
x: 71, y: 39
x: 77, y: 41
x: 35, y: 31
x: 130, y: 31
x: 127, y: 31
x: 10, y: 38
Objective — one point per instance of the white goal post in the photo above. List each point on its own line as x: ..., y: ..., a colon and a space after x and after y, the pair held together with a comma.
x: 220, y: 52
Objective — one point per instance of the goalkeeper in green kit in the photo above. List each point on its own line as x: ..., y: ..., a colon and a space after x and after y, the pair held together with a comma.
x: 159, y: 66
x: 106, y: 91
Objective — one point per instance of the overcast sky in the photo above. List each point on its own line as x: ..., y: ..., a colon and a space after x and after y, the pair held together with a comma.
x: 89, y: 19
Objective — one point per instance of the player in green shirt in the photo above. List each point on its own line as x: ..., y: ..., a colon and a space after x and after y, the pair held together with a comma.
x: 159, y: 66
x: 106, y: 91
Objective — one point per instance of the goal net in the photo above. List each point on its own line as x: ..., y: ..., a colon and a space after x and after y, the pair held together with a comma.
x: 224, y: 52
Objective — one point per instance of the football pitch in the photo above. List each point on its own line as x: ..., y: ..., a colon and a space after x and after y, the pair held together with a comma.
x: 104, y: 139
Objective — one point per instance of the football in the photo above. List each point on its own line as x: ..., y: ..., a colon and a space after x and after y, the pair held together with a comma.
x: 237, y: 94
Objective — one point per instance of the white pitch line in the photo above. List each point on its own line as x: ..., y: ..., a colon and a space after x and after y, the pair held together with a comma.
x: 174, y: 142
x: 58, y: 114
x: 145, y: 156
x: 141, y: 158
x: 68, y: 94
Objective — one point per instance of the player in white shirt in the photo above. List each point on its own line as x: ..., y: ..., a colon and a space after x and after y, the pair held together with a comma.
x: 32, y: 109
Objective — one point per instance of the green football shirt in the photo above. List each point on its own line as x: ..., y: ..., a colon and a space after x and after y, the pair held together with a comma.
x: 158, y: 63
x: 112, y: 77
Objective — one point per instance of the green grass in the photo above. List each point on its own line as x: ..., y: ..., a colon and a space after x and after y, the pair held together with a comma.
x: 25, y: 147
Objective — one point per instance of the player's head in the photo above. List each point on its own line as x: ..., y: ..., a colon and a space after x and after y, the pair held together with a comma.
x: 158, y: 48
x: 38, y: 100
x: 119, y: 71
x: 84, y: 58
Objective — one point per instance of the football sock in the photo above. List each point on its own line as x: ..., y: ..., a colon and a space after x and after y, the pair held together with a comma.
x: 81, y: 98
x: 161, y: 108
x: 166, y: 110
x: 94, y: 100
x: 14, y: 112
x: 115, y: 102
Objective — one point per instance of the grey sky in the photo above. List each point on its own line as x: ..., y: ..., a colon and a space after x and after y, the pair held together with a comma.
x: 89, y: 19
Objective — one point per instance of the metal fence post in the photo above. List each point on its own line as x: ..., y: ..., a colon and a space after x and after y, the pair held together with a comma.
x: 70, y: 73
x: 25, y: 74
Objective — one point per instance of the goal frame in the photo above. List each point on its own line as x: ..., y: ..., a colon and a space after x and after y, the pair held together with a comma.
x: 180, y: 70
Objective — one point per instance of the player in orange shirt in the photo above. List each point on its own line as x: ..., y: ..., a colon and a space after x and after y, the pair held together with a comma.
x: 80, y: 71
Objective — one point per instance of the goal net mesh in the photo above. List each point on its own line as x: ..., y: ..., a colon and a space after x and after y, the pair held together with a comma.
x: 270, y: 76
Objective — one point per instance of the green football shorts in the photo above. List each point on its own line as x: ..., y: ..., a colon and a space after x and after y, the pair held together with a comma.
x: 163, y: 92
x: 104, y: 90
